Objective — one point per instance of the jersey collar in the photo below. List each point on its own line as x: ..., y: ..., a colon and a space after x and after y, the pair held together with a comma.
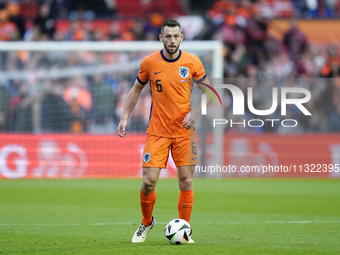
x: 171, y: 60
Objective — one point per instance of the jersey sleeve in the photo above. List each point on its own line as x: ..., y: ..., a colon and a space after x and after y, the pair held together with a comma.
x: 199, y: 72
x: 143, y: 74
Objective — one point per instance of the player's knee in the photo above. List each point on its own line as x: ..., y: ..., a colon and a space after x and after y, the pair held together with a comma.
x: 149, y: 184
x: 185, y: 183
x: 184, y: 179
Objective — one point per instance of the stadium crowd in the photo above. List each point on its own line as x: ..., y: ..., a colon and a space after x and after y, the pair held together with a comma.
x: 92, y: 102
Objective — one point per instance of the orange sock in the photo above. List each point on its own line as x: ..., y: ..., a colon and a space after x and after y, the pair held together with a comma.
x: 185, y: 203
x: 146, y: 203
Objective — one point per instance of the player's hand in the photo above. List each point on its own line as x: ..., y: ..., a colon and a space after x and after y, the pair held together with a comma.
x: 121, y: 128
x: 189, y: 120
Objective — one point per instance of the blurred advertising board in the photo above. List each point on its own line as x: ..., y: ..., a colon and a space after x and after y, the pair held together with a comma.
x: 108, y: 156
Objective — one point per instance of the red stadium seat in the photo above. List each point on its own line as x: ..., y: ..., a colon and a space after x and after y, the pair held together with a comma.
x: 135, y: 8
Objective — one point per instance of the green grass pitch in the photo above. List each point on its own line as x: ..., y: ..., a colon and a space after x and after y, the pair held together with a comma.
x: 229, y: 217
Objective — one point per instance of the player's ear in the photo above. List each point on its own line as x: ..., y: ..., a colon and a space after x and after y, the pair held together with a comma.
x: 160, y: 37
x: 182, y: 36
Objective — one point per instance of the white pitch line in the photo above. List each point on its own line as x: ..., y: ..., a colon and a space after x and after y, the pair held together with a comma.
x: 131, y: 223
x: 68, y: 224
x: 275, y: 222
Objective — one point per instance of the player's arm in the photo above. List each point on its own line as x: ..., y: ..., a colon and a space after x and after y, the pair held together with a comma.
x: 129, y: 105
x: 191, y: 118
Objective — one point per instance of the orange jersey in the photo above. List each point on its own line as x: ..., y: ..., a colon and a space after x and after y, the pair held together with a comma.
x: 170, y: 83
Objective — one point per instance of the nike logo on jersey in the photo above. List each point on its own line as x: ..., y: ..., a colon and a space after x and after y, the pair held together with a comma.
x: 186, y: 206
x: 158, y: 72
x: 193, y: 158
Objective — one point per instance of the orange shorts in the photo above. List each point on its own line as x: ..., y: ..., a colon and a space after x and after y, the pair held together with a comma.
x: 156, y: 151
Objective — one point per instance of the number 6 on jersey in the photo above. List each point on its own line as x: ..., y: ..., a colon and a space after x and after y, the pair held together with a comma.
x: 159, y: 86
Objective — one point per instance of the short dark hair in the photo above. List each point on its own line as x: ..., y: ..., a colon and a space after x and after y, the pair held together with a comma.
x: 170, y: 23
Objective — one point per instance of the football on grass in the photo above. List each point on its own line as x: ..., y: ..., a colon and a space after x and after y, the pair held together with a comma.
x: 178, y: 231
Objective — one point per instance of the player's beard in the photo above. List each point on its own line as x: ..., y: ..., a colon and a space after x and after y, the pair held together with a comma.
x: 170, y: 51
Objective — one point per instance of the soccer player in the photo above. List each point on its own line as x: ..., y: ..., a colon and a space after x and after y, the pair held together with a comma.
x: 171, y: 126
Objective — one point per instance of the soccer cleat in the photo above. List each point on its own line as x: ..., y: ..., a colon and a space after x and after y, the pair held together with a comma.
x: 143, y: 231
x: 191, y: 241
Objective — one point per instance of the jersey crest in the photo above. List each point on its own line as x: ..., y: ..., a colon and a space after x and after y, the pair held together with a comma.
x: 146, y: 157
x: 183, y: 72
